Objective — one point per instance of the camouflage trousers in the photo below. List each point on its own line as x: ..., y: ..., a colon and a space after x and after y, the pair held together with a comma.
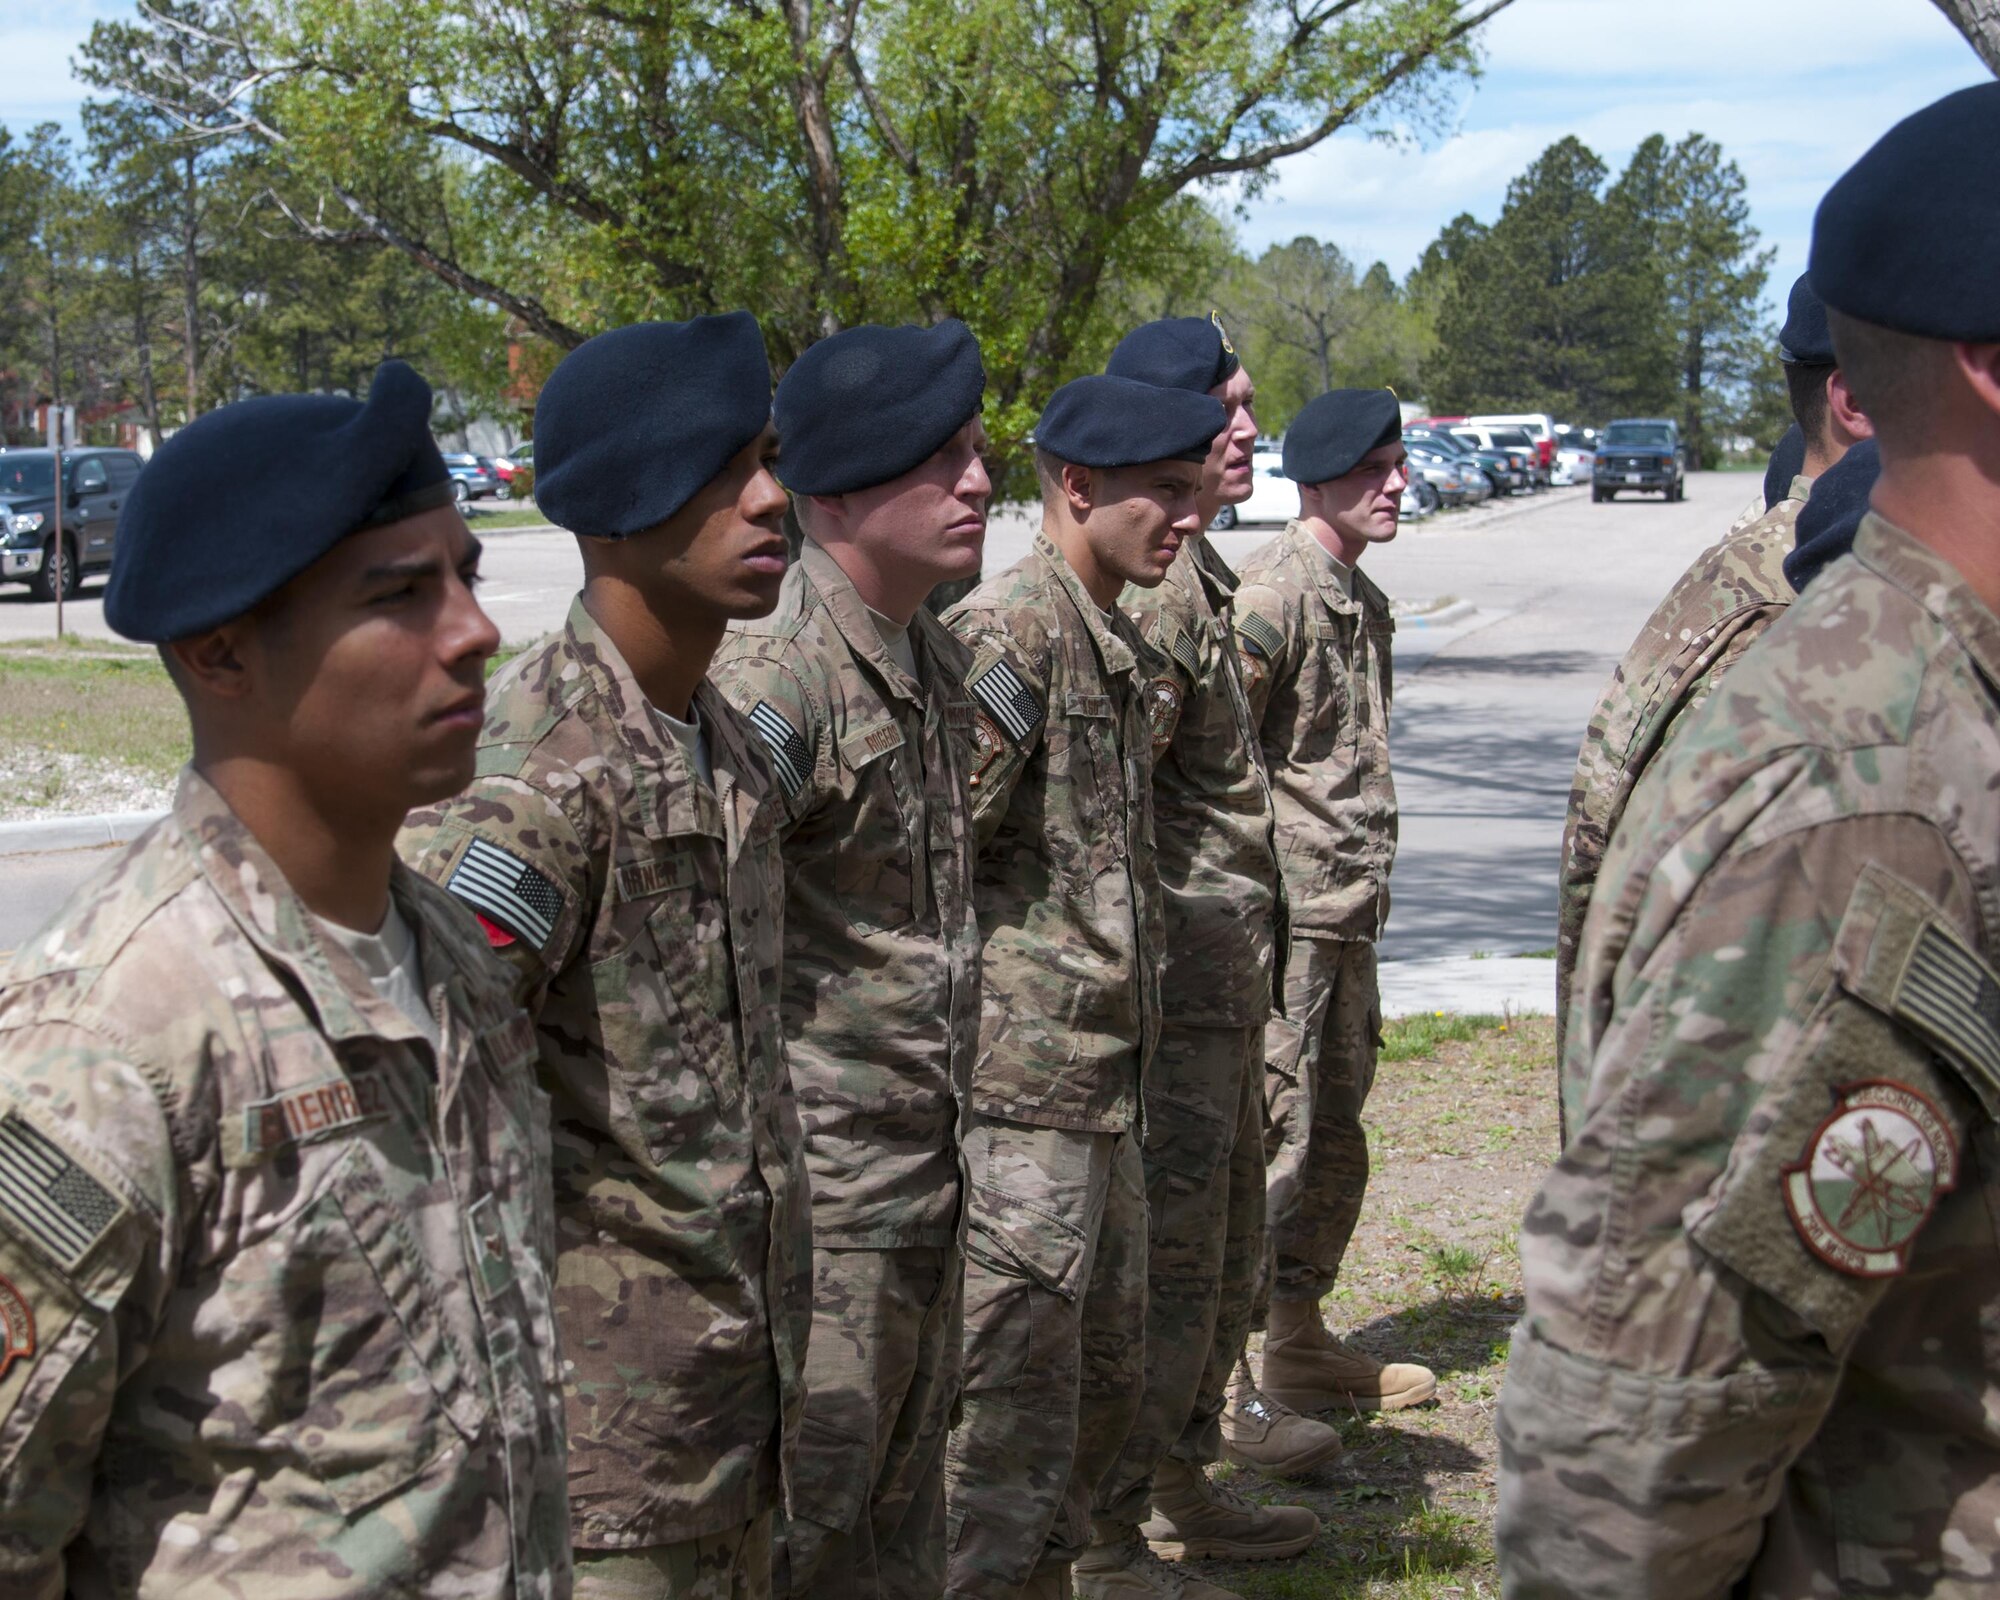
x: 1319, y: 1064
x: 881, y: 1377
x: 732, y: 1565
x: 1055, y: 1327
x: 1204, y: 1159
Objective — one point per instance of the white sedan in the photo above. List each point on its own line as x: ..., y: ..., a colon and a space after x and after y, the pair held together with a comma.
x: 1273, y: 496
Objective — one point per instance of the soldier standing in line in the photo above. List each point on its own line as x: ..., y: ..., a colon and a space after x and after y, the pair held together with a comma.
x: 275, y: 1237
x: 860, y: 694
x: 620, y: 845
x: 1315, y: 639
x: 1721, y: 605
x: 1204, y: 1147
x: 1071, y: 702
x: 1762, y: 1280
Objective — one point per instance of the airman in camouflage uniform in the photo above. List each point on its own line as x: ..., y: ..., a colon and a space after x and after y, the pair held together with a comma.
x: 1720, y: 606
x: 1315, y: 636
x: 621, y: 844
x: 275, y: 1238
x: 1757, y: 1357
x: 1204, y: 1146
x: 1071, y: 705
x: 863, y: 705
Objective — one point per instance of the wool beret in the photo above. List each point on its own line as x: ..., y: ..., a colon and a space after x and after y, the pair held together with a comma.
x: 868, y: 404
x: 1176, y: 353
x: 1832, y: 514
x: 634, y: 422
x: 1907, y: 236
x: 1102, y: 421
x: 1787, y: 462
x: 1805, y: 340
x: 242, y: 500
x: 1330, y: 436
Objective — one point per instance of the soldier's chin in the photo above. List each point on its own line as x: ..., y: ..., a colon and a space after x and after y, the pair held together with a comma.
x: 443, y: 773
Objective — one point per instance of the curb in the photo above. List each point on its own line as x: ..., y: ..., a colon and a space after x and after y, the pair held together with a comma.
x: 1457, y: 611
x: 74, y: 833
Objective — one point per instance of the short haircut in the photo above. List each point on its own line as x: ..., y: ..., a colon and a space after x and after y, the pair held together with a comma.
x: 1898, y: 379
x: 1806, y: 384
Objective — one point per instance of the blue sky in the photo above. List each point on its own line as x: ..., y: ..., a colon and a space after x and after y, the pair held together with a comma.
x: 1793, y: 89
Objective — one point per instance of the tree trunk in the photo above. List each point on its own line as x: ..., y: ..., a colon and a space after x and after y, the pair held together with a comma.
x: 191, y: 283
x: 142, y: 347
x: 1979, y: 21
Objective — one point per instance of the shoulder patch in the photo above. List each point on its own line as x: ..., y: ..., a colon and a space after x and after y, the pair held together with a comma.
x: 1182, y: 649
x: 1951, y: 997
x: 1870, y: 1176
x: 1163, y: 712
x: 790, y: 754
x: 51, y: 1200
x: 1260, y: 635
x: 17, y: 1327
x: 1012, y: 703
x: 506, y: 891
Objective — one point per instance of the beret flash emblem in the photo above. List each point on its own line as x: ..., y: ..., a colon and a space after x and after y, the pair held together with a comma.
x: 1871, y: 1175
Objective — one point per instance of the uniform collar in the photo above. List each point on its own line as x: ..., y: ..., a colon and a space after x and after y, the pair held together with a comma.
x: 1113, y: 650
x: 1316, y: 559
x: 253, y: 891
x: 1936, y: 585
x: 849, y: 611
x: 1217, y: 577
x: 1801, y: 487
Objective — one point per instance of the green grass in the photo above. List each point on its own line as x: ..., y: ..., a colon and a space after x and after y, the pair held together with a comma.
x: 1406, y: 1038
x: 485, y: 518
x: 1538, y: 955
x: 109, y: 702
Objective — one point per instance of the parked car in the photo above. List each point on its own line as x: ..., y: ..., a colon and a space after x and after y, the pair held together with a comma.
x: 1573, y: 464
x: 1458, y: 482
x: 474, y: 478
x: 512, y: 461
x: 1517, y: 445
x: 1273, y: 496
x: 95, y: 483
x: 1491, y: 465
x: 1539, y: 426
x: 1413, y: 507
x: 1642, y: 453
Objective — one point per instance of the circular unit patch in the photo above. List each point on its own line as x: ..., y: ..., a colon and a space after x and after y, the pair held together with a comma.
x: 17, y: 1327
x: 987, y: 743
x: 1163, y: 711
x: 1871, y: 1175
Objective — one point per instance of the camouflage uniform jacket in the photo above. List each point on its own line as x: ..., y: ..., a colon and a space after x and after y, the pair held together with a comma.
x: 881, y: 976
x: 1070, y: 702
x: 642, y: 914
x: 1721, y: 605
x: 1212, y: 814
x: 274, y: 1274
x: 1317, y: 666
x: 1763, y: 1278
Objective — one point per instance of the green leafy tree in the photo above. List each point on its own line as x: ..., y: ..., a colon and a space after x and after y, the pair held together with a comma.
x: 576, y: 164
x: 1557, y: 307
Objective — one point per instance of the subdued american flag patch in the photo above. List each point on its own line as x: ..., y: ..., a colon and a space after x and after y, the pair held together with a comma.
x: 1011, y: 701
x: 790, y: 754
x: 50, y: 1199
x: 1182, y: 649
x: 1261, y: 634
x: 506, y: 889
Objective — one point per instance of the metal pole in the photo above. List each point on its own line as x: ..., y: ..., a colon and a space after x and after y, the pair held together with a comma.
x: 56, y: 555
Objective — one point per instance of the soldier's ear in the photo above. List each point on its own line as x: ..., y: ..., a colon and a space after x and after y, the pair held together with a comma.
x: 1979, y: 365
x: 211, y: 664
x: 1079, y: 487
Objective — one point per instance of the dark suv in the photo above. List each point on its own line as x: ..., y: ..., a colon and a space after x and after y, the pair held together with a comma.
x: 95, y: 483
x: 1642, y: 453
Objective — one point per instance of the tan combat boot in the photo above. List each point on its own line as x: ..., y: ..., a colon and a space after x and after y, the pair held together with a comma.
x: 1308, y: 1369
x: 1123, y: 1568
x: 1195, y: 1518
x: 1259, y: 1432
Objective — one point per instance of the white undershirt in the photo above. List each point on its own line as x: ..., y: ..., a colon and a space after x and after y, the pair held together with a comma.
x: 395, y: 971
x: 692, y: 739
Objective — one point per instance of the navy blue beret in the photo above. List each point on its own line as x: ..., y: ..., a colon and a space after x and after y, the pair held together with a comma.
x: 1832, y: 514
x: 634, y: 422
x: 1907, y: 237
x: 1805, y: 340
x: 242, y: 500
x: 1176, y: 353
x: 1102, y: 421
x: 868, y: 404
x: 1330, y: 436
x: 1787, y: 462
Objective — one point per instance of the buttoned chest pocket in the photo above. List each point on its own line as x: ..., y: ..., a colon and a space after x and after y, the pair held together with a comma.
x: 1087, y: 811
x: 1329, y: 712
x: 874, y: 868
x: 358, y: 1352
x: 665, y: 1004
x: 1381, y: 637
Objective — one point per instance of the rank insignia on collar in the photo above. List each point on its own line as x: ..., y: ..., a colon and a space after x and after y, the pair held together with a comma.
x: 1871, y: 1175
x: 1163, y: 712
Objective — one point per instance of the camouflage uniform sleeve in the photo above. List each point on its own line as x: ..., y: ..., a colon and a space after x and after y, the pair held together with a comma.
x: 87, y: 1256
x: 1697, y: 1264
x: 1011, y: 694
x: 519, y: 863
x: 1265, y: 643
x: 791, y: 722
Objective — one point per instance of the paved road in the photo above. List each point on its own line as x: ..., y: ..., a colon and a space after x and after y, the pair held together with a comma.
x: 1488, y: 712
